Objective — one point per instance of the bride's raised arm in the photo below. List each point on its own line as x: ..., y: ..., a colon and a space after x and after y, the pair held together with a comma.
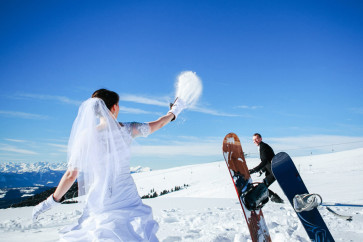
x: 175, y: 110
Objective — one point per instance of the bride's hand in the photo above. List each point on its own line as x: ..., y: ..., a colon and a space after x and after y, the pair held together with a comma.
x: 177, y: 107
x: 44, y: 206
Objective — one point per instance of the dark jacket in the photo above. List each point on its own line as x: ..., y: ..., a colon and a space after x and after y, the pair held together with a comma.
x: 266, y: 155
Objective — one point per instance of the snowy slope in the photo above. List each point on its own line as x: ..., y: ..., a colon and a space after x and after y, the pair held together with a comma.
x: 208, y: 209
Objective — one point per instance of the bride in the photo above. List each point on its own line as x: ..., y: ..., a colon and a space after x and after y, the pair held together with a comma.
x: 98, y: 157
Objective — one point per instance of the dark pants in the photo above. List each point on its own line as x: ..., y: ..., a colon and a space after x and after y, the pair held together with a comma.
x: 270, y: 178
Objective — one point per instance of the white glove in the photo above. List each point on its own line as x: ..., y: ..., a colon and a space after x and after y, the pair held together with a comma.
x: 44, y: 206
x: 177, y: 107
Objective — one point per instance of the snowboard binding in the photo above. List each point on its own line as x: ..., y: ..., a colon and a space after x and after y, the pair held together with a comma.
x: 241, y: 182
x: 256, y: 196
x: 306, y: 202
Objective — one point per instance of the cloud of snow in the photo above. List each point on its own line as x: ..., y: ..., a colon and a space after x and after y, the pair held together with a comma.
x: 188, y: 87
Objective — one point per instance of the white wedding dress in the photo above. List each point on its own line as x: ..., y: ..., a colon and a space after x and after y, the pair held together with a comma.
x: 120, y: 215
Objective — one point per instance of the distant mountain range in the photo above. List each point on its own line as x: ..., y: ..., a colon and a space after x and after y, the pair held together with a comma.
x: 20, y: 180
x: 22, y: 174
x: 16, y: 174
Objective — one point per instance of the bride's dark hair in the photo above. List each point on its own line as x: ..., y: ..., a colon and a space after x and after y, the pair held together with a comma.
x: 109, y: 97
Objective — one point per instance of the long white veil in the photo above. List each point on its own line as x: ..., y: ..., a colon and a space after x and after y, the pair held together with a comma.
x: 98, y: 149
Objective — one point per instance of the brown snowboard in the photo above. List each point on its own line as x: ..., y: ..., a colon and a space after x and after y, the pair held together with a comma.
x: 237, y: 166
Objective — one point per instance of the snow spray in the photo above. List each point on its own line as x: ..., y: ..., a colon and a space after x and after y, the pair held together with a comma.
x: 188, y: 87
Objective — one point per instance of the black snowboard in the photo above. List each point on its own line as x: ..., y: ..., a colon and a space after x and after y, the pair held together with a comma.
x: 291, y: 183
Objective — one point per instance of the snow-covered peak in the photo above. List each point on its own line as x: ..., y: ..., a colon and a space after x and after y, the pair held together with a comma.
x: 43, y: 167
x: 139, y: 169
x: 23, y: 167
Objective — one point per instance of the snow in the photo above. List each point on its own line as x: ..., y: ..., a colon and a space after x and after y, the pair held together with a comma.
x: 208, y: 208
x: 44, y: 167
x: 22, y: 174
x: 23, y: 167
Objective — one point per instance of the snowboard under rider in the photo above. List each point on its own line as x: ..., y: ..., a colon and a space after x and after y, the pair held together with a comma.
x: 266, y: 155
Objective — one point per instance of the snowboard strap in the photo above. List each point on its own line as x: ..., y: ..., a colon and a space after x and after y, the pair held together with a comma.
x: 346, y: 217
x: 307, y: 202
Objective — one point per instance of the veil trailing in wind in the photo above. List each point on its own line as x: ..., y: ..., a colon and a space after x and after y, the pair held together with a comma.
x: 98, y: 149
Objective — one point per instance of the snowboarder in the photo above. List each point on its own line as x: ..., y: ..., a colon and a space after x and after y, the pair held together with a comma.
x: 266, y: 155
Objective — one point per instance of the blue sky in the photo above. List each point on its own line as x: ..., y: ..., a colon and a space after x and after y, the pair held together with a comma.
x: 291, y: 70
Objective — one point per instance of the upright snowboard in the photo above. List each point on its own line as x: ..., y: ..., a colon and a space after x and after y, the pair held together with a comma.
x: 236, y: 163
x: 291, y: 183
